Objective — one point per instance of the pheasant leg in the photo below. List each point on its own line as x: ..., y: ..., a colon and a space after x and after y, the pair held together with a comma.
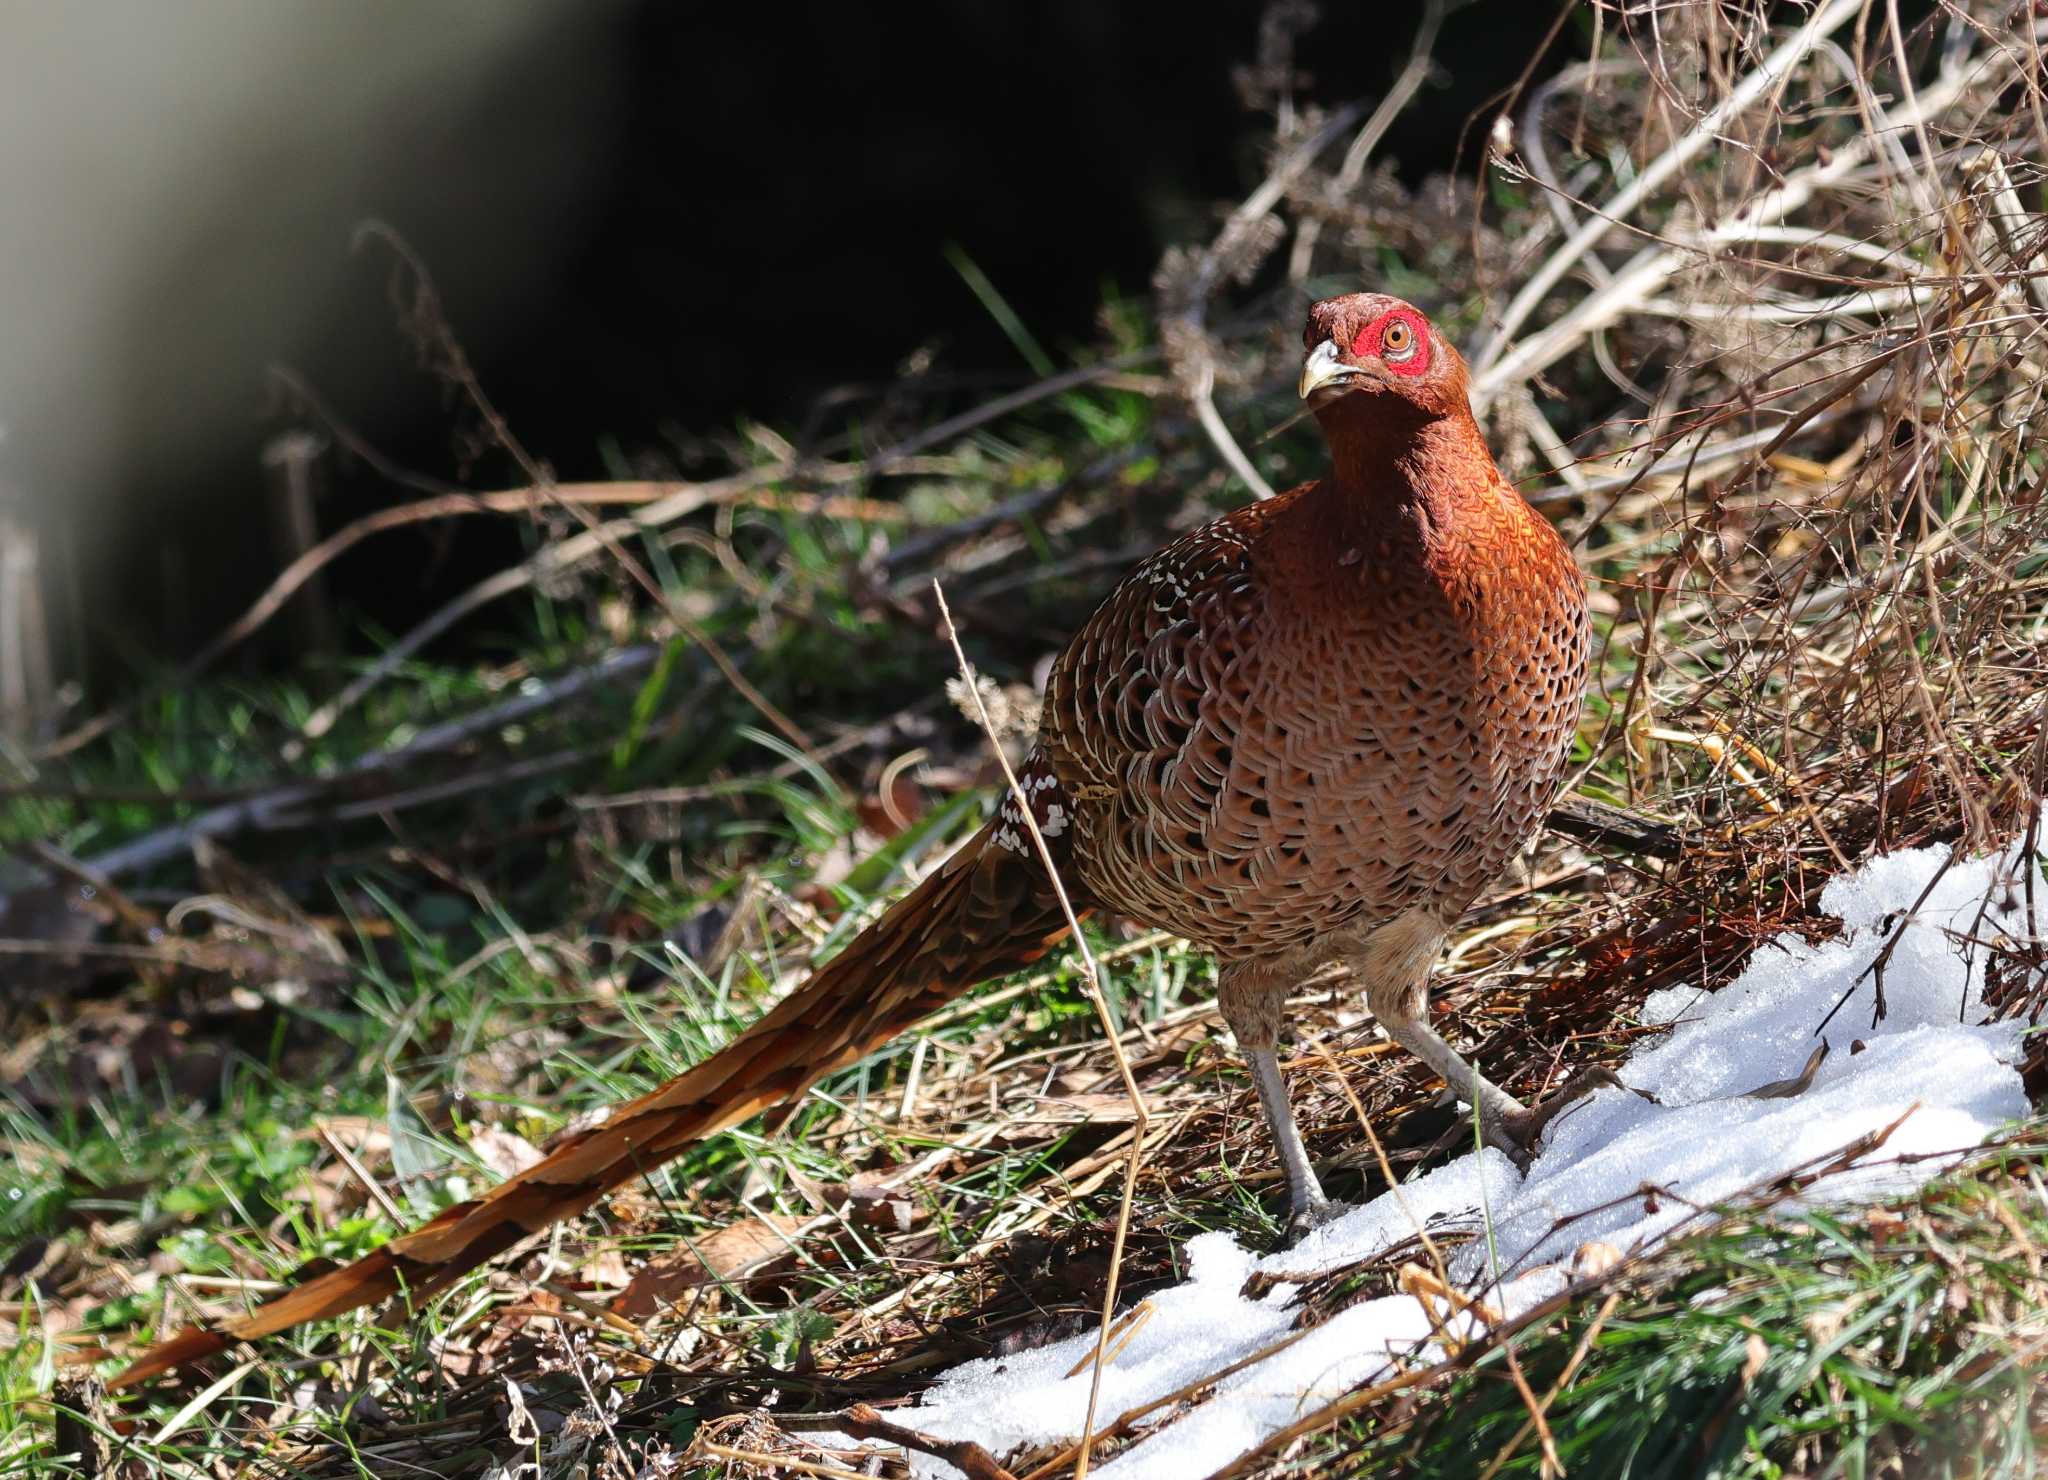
x: 1504, y: 1122
x: 1393, y: 962
x: 1253, y: 998
x: 1306, y: 1204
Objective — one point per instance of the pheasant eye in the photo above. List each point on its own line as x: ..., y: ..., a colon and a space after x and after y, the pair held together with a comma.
x: 1398, y: 341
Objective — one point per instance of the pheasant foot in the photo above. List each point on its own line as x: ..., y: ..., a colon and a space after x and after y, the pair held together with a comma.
x: 1306, y: 1221
x: 1517, y: 1131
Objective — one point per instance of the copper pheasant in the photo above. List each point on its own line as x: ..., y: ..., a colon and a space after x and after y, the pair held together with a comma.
x: 1312, y: 730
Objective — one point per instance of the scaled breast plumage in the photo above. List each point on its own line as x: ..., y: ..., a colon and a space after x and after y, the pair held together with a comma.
x: 1301, y: 718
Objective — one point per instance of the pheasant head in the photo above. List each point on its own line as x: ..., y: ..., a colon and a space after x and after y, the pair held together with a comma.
x: 1385, y: 385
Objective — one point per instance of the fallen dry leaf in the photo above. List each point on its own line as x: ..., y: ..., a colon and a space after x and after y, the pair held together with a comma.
x: 1091, y: 1109
x: 505, y: 1152
x: 866, y: 1202
x: 1594, y: 1259
x: 606, y: 1270
x: 734, y: 1249
x: 887, y: 813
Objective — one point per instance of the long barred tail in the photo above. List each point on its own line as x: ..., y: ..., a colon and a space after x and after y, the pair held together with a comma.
x: 985, y: 911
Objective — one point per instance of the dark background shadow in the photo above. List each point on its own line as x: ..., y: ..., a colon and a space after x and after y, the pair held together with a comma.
x: 647, y: 220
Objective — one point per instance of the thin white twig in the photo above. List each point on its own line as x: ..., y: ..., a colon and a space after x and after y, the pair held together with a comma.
x: 1352, y: 170
x: 268, y: 808
x: 1833, y: 241
x: 1537, y: 153
x: 1555, y: 450
x: 1703, y: 135
x: 1203, y: 394
x: 2008, y: 218
x: 1795, y: 311
x: 1092, y: 975
x: 1198, y: 368
x: 1640, y: 279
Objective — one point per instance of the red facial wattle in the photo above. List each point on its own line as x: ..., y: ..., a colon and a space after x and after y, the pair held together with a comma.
x: 1371, y: 342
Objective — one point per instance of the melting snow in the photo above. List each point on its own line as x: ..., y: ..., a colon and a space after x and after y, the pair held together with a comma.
x: 1704, y: 1143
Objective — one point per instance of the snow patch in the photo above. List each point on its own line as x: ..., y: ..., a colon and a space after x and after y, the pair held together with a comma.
x: 1933, y: 1061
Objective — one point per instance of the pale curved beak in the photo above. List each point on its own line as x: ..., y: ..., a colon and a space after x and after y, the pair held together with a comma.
x: 1322, y: 367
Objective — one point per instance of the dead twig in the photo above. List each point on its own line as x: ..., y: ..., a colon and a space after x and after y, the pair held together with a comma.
x: 264, y: 809
x: 976, y: 1463
x: 1534, y: 1423
x: 1185, y: 320
x: 755, y: 1458
x: 1092, y: 976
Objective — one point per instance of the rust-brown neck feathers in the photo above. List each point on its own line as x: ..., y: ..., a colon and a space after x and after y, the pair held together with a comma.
x: 1396, y: 463
x: 1392, y: 398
